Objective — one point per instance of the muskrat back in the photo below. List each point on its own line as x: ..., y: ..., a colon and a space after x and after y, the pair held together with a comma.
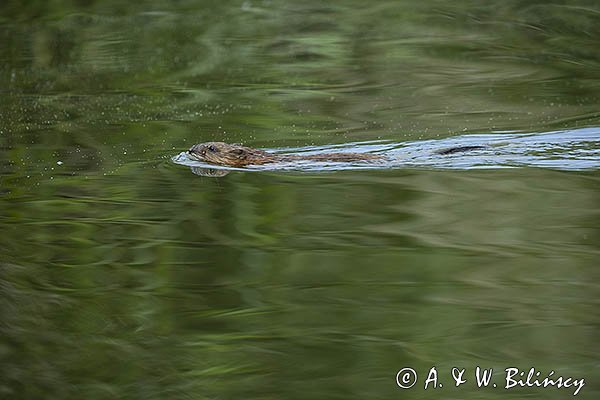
x: 235, y: 155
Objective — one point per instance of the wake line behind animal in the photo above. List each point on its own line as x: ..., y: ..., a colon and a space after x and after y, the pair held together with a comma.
x: 235, y: 155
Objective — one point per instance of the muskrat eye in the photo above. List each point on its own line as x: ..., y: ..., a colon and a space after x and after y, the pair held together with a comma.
x: 212, y: 148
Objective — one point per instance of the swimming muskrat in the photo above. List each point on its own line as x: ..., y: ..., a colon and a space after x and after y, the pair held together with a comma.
x: 236, y: 155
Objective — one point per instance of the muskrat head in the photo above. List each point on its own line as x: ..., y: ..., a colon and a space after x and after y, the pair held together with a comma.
x: 233, y: 155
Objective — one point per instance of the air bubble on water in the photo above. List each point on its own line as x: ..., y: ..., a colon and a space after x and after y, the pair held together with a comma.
x: 59, y: 163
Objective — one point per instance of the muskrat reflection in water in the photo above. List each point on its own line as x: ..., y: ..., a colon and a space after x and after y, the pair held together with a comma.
x: 209, y: 172
x: 235, y: 155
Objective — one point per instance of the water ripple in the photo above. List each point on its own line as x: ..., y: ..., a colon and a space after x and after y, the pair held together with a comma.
x: 575, y: 149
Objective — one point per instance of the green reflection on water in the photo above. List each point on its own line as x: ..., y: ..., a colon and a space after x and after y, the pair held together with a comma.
x: 125, y: 276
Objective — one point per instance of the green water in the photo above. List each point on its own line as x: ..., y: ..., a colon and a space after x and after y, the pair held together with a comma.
x: 125, y: 276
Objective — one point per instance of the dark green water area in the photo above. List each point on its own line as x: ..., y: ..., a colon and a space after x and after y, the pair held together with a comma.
x: 123, y: 275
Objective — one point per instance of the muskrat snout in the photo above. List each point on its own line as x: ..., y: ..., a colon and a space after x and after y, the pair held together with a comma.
x: 193, y: 149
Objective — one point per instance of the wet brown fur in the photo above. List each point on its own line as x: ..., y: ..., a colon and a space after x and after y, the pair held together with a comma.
x: 235, y: 155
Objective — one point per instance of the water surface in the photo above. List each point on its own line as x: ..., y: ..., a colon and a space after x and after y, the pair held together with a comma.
x: 123, y: 275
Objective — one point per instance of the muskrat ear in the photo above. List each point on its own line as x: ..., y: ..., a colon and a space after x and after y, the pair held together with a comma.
x: 239, y: 152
